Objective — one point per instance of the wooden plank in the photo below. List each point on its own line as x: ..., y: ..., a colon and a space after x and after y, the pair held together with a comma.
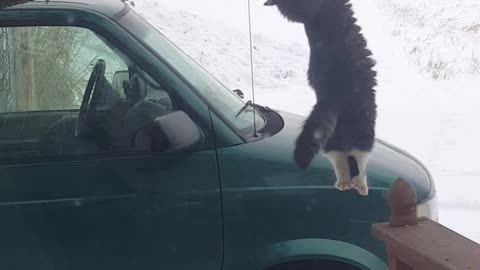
x: 394, y: 263
x: 429, y: 246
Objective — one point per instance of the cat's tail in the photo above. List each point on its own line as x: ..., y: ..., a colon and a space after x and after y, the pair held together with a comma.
x: 318, y: 129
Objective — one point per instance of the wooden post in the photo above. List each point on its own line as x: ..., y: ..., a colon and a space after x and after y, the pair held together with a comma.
x: 11, y: 49
x: 25, y: 66
x: 402, y: 201
x: 23, y: 69
x: 414, y: 244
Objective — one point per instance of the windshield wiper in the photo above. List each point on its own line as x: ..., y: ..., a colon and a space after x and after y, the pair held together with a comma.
x: 9, y: 3
x: 245, y: 107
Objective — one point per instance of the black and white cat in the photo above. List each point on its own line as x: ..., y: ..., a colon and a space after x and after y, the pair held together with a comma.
x: 342, y: 123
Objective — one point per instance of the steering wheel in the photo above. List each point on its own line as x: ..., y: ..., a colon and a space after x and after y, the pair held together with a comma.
x: 87, y: 105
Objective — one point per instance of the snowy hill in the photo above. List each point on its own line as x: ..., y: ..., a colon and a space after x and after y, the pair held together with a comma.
x: 223, y: 49
x: 429, y: 75
x: 440, y: 36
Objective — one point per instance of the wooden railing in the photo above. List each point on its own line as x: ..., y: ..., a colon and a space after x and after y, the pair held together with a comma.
x: 421, y: 244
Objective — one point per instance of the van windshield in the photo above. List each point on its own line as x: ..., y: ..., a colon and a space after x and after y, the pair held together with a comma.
x: 224, y: 102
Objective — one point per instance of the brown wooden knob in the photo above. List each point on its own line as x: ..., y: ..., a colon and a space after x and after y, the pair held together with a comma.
x: 402, y: 201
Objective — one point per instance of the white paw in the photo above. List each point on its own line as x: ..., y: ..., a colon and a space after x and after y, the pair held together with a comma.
x: 360, y: 184
x: 343, y: 185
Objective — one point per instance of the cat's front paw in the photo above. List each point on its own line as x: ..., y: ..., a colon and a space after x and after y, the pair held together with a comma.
x: 360, y: 184
x: 343, y: 185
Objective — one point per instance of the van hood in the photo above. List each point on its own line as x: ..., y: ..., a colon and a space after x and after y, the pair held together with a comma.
x: 271, y: 159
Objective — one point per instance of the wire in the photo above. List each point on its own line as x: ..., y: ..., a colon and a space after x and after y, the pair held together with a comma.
x: 251, y: 69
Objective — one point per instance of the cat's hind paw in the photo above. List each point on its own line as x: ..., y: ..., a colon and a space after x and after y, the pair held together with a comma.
x: 360, y: 184
x: 343, y: 185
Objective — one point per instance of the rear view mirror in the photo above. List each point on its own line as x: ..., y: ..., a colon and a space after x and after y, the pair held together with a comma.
x: 118, y: 78
x: 174, y: 132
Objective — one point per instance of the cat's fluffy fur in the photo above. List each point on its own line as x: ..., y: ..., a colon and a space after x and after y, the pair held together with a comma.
x: 342, y: 122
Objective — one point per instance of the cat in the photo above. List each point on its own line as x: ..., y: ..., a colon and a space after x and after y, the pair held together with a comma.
x: 341, y: 72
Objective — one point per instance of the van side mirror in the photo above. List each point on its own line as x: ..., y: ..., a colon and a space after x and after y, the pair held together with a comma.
x: 174, y: 132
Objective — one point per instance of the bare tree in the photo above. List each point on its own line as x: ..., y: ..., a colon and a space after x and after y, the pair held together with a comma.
x: 38, y: 68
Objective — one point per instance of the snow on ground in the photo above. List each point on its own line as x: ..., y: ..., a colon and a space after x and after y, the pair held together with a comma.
x: 429, y: 76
